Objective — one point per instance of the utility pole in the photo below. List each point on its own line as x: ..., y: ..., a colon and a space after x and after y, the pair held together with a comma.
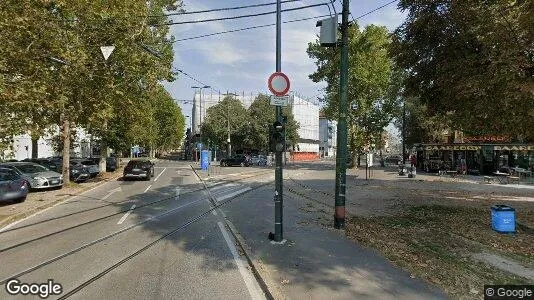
x: 278, y: 174
x: 341, y: 157
x: 200, y: 115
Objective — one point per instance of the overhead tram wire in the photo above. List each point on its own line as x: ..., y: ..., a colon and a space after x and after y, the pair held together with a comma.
x: 240, y: 16
x: 196, y: 80
x: 372, y: 11
x: 220, y: 9
x: 247, y: 28
x: 273, y: 24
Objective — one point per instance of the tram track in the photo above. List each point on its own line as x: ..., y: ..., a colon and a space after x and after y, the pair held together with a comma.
x: 183, y: 226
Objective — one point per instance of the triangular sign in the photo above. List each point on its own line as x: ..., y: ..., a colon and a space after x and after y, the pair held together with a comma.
x: 106, y: 51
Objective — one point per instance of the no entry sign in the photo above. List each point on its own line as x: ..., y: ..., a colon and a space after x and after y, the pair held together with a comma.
x: 278, y: 84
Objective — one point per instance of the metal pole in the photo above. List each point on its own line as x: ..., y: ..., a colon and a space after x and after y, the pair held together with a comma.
x: 200, y: 123
x: 278, y: 174
x: 341, y: 158
x: 403, y: 133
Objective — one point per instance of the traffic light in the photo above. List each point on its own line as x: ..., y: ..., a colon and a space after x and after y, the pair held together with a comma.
x: 279, y: 135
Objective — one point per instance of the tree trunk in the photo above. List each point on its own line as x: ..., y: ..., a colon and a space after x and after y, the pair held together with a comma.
x: 103, y: 151
x: 35, y: 152
x: 66, y: 149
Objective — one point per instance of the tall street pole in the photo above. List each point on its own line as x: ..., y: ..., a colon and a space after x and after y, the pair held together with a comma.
x: 341, y: 157
x: 278, y: 175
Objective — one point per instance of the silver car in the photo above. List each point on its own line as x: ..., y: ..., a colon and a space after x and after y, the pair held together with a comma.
x: 12, y: 186
x: 37, y: 176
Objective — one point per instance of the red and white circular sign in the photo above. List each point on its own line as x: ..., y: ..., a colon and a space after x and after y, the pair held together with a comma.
x: 278, y: 84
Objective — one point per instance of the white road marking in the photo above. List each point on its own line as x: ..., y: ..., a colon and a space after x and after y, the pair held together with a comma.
x: 148, y: 187
x: 157, y: 177
x: 218, y: 187
x: 112, y: 192
x: 213, y: 212
x: 227, y: 196
x: 252, y: 285
x: 126, y: 215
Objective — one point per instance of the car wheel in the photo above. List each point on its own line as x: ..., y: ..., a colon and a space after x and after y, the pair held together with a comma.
x: 20, y: 200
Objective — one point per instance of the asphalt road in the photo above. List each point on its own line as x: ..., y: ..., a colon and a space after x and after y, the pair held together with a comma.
x: 157, y: 239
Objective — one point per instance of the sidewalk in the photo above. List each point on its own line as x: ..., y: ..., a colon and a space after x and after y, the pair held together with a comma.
x: 316, y: 262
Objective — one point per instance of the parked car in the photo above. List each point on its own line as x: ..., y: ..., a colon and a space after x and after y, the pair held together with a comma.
x: 237, y: 160
x: 258, y: 160
x: 78, y: 171
x: 92, y: 166
x: 139, y: 168
x: 111, y: 164
x: 37, y: 176
x: 53, y: 165
x: 12, y: 186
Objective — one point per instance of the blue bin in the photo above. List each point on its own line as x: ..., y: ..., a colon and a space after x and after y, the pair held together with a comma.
x: 503, y: 218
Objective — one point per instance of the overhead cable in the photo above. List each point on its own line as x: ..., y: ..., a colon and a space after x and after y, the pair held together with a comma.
x: 240, y: 17
x: 220, y: 9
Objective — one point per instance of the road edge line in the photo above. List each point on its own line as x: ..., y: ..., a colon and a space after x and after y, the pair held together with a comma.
x: 240, y: 242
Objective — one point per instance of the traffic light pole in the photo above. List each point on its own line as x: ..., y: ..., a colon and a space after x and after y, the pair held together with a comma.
x: 278, y: 174
x: 341, y: 157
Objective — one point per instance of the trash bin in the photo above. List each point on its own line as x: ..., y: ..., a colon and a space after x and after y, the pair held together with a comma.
x: 503, y: 218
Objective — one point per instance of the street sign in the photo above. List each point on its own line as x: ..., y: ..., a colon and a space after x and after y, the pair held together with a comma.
x: 278, y: 84
x: 280, y: 100
x: 106, y: 51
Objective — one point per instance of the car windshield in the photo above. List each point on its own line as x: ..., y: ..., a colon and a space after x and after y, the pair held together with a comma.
x: 8, y: 175
x: 31, y: 168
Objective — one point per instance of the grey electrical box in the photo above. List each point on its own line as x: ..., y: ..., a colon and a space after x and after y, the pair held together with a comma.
x: 328, y: 36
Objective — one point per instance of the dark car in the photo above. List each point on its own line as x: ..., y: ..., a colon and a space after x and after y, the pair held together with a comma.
x: 237, y: 160
x: 139, y: 168
x: 12, y: 186
x: 92, y: 166
x: 78, y: 171
x: 111, y: 164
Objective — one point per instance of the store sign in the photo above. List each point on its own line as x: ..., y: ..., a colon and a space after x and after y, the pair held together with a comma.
x: 514, y: 148
x: 487, y: 138
x: 463, y: 148
x: 476, y: 148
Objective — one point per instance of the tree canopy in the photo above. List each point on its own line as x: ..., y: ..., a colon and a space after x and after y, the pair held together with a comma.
x: 470, y: 63
x: 248, y: 128
x: 373, y: 89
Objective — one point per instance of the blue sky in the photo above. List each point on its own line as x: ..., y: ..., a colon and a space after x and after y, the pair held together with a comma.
x: 243, y: 61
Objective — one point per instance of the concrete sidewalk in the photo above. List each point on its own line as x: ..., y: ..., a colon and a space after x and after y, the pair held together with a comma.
x: 316, y: 262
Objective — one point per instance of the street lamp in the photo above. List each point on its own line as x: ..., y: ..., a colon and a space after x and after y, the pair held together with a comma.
x: 200, y: 116
x: 189, y: 122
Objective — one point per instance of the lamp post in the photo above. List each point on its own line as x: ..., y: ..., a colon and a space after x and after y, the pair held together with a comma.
x: 200, y: 115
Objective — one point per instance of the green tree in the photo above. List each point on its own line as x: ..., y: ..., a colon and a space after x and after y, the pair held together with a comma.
x: 470, y: 63
x: 262, y: 116
x: 229, y: 114
x: 87, y: 91
x: 373, y: 94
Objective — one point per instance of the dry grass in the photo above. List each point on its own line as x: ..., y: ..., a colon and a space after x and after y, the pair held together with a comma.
x: 436, y: 242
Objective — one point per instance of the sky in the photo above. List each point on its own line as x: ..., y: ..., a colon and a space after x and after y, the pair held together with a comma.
x: 242, y: 61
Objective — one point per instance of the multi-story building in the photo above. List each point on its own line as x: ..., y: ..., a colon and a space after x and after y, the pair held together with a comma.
x: 327, y: 136
x: 306, y: 114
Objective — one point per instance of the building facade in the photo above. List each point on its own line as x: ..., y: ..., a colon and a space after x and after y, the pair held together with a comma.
x: 327, y: 137
x: 305, y: 112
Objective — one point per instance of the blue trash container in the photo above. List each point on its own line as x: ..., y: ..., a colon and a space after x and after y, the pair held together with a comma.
x: 503, y: 218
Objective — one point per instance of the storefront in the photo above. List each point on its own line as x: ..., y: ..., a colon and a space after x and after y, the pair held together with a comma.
x: 474, y: 158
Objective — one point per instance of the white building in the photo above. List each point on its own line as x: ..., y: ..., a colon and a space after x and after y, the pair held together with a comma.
x: 305, y: 112
x: 327, y: 137
x: 22, y: 146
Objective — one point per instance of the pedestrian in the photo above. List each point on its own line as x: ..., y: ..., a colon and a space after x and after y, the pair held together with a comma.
x: 413, y: 160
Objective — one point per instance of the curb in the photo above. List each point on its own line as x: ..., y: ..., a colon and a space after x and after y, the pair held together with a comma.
x: 17, y: 218
x: 241, y: 243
